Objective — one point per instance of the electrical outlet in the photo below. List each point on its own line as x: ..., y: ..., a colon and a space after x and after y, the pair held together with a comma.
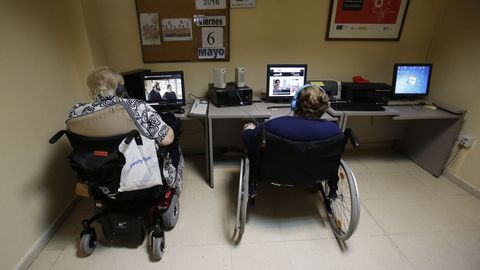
x: 466, y: 140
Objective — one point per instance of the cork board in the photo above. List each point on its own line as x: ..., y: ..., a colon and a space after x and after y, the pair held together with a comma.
x: 184, y: 30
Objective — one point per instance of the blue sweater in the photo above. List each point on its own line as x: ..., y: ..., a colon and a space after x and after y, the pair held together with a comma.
x: 293, y: 128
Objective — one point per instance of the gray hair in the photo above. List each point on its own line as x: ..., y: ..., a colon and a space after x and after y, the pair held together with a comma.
x: 103, y: 81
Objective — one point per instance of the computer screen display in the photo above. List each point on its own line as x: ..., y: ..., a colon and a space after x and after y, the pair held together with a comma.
x: 283, y: 80
x: 164, y: 89
x: 411, y: 80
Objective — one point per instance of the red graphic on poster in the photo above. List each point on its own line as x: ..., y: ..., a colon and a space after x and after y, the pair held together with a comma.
x: 371, y: 12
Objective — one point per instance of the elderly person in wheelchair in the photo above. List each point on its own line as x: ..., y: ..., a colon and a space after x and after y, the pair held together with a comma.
x: 107, y: 88
x: 301, y: 150
x: 128, y: 156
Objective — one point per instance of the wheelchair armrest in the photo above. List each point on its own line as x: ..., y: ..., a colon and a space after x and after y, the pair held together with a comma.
x: 57, y: 136
x: 350, y: 135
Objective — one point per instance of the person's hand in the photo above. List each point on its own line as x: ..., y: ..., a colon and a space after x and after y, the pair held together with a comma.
x: 248, y: 126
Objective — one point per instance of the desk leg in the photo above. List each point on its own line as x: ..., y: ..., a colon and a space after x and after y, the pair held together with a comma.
x: 210, y: 152
x: 343, y: 123
x: 429, y: 142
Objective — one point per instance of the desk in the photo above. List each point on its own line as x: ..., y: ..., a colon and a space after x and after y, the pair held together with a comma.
x: 430, y: 134
x: 258, y: 110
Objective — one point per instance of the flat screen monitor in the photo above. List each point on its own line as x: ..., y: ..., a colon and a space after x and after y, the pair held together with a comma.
x: 164, y: 89
x: 411, y: 80
x: 283, y: 80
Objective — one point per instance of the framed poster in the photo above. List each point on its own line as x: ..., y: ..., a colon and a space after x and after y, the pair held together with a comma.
x: 366, y: 19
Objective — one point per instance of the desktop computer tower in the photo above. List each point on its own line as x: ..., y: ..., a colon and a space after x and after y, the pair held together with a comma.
x: 378, y: 93
x: 230, y: 95
x: 134, y: 83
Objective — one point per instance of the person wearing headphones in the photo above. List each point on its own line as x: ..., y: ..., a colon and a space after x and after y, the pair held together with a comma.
x: 309, y: 104
x: 106, y: 89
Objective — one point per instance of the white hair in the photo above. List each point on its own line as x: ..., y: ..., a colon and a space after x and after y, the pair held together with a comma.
x: 103, y: 82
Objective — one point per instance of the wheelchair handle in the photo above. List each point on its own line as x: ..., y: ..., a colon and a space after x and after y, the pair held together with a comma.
x: 350, y: 135
x: 57, y: 136
x: 134, y: 134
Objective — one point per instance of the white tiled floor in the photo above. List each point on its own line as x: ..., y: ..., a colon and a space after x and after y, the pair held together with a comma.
x: 409, y: 220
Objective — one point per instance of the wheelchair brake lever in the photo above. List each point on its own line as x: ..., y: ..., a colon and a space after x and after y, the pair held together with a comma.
x: 57, y: 136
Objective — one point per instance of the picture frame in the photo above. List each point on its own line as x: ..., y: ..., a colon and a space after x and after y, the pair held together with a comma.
x: 366, y: 19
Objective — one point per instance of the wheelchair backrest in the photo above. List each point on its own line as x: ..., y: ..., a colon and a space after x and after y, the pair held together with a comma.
x: 287, y: 162
x: 110, y: 121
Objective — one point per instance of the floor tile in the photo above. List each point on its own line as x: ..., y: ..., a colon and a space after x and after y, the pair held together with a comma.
x: 441, y: 250
x: 408, y: 220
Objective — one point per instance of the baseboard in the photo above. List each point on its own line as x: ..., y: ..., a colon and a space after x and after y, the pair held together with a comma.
x: 462, y: 183
x: 37, y: 247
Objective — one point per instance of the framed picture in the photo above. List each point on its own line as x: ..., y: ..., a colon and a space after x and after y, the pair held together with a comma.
x: 366, y: 19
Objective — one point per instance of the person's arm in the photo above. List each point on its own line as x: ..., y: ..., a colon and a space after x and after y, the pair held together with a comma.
x: 156, y: 127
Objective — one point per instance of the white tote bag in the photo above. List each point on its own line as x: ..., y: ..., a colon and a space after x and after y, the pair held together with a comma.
x: 141, y: 169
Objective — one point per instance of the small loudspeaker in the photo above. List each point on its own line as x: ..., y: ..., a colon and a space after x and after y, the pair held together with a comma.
x: 240, y: 76
x: 219, y: 80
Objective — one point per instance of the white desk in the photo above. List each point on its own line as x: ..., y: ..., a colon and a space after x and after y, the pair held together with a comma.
x: 430, y: 134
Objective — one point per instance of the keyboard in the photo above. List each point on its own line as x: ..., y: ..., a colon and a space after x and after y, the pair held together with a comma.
x: 199, y: 107
x: 356, y: 107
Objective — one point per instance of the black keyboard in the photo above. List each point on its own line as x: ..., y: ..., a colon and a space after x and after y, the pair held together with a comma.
x: 356, y: 107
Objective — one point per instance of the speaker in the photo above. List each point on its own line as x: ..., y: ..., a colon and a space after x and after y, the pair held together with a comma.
x: 240, y: 76
x: 219, y: 80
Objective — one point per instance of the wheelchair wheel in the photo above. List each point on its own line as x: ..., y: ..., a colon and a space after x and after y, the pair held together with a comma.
x: 243, y: 195
x: 158, y: 247
x: 170, y: 216
x: 344, y: 211
x: 87, y: 244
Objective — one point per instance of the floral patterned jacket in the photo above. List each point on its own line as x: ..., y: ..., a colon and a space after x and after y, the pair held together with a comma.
x: 152, y: 126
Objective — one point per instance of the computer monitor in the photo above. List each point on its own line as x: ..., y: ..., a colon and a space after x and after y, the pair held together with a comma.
x: 411, y: 80
x: 283, y: 80
x: 164, y: 90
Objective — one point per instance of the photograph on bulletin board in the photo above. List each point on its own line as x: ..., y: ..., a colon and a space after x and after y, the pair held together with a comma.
x: 366, y: 19
x: 184, y: 30
x: 149, y: 29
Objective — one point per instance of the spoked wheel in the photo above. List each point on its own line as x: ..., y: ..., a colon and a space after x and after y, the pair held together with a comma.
x: 344, y: 212
x: 243, y: 195
x: 88, y: 243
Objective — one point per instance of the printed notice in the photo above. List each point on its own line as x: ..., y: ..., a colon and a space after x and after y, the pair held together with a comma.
x: 210, y: 4
x: 149, y: 29
x: 212, y: 37
x: 211, y: 53
x: 177, y: 29
x: 242, y: 3
x: 210, y: 21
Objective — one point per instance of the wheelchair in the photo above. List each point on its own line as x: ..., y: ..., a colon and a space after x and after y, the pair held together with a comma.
x: 125, y: 217
x: 315, y: 164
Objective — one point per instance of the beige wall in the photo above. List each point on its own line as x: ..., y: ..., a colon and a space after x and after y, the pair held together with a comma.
x: 43, y: 54
x: 276, y: 31
x: 456, y: 57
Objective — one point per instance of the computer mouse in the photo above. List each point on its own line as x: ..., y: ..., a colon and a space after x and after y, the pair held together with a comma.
x: 430, y: 107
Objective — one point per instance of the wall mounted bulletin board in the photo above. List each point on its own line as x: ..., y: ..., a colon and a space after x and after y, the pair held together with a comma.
x: 184, y: 30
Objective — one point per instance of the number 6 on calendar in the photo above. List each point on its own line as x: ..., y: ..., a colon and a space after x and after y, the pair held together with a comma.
x: 212, y: 37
